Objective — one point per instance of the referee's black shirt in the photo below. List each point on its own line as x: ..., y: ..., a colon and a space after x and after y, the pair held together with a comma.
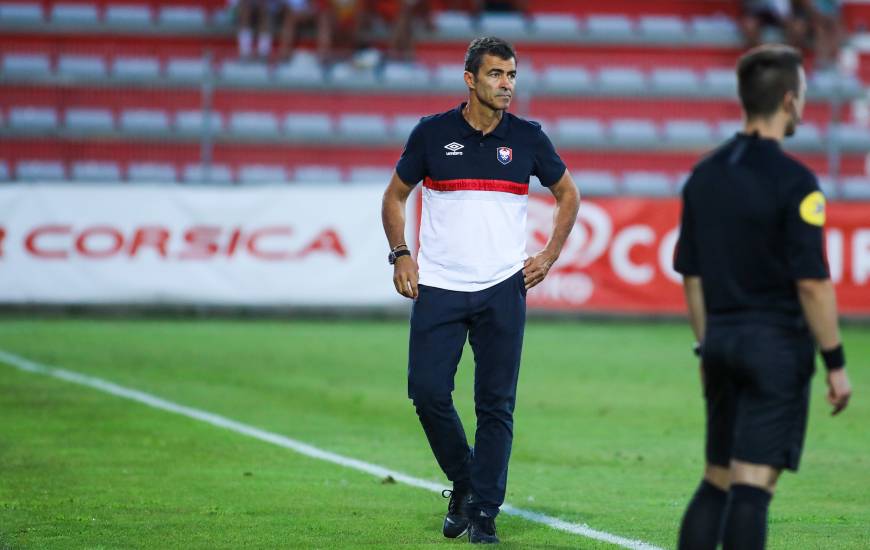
x: 752, y: 224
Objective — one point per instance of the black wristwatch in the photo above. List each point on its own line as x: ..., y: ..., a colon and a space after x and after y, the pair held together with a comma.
x: 396, y: 254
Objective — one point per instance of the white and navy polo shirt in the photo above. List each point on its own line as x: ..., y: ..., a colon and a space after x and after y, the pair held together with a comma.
x: 475, y: 193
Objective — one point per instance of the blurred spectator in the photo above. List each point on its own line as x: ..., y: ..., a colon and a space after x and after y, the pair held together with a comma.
x: 402, y: 16
x: 824, y: 16
x: 783, y: 14
x: 304, y: 12
x: 255, y: 17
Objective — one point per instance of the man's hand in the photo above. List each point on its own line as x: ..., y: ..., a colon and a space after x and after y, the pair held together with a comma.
x: 536, y: 268
x: 839, y: 390
x: 405, y: 276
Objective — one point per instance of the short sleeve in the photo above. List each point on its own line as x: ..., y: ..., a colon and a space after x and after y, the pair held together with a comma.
x: 411, y: 167
x: 686, y: 254
x: 804, y: 228
x: 548, y: 165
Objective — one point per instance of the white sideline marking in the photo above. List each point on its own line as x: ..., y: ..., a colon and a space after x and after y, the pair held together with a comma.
x: 303, y: 448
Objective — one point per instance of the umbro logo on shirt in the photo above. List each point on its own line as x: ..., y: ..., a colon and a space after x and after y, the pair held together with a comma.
x: 453, y: 149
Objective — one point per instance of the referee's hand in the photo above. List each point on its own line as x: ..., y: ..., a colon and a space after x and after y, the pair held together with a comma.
x: 405, y: 276
x: 839, y: 390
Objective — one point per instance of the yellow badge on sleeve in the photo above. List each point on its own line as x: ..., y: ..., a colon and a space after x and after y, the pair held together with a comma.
x: 812, y: 208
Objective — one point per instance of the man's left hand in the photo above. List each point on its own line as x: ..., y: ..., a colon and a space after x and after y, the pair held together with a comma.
x: 536, y: 268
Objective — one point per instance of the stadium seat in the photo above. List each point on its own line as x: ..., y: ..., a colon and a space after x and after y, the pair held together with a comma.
x: 26, y: 65
x: 727, y: 128
x: 378, y: 175
x: 216, y: 173
x: 190, y: 69
x: 144, y: 121
x: 151, y: 172
x: 716, y: 29
x: 852, y: 136
x: 39, y: 170
x: 4, y: 171
x: 454, y: 24
x: 365, y: 128
x: 132, y: 15
x: 688, y: 133
x: 32, y: 118
x: 609, y: 28
x: 345, y: 74
x: 81, y: 66
x: 262, y: 174
x: 675, y: 82
x: 633, y: 132
x: 507, y: 25
x: 595, y: 183
x: 721, y: 82
x: 21, y: 13
x: 855, y: 188
x: 827, y: 186
x: 95, y: 171
x: 242, y: 73
x: 254, y: 124
x: 406, y: 75
x: 403, y: 124
x: 74, y: 14
x: 317, y: 174
x: 315, y: 126
x: 662, y: 28
x: 303, y: 68
x: 807, y: 136
x: 563, y: 79
x: 651, y: 184
x: 89, y: 120
x: 449, y: 77
x: 579, y: 131
x: 194, y: 122
x: 182, y: 16
x: 555, y: 25
x: 621, y: 80
x: 136, y: 68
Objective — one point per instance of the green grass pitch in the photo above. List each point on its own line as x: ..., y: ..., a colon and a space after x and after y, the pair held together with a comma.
x: 608, y: 432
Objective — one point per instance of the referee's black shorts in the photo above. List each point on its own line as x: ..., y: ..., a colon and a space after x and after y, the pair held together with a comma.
x: 757, y: 390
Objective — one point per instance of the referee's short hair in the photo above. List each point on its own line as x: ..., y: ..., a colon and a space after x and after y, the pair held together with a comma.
x: 486, y: 45
x: 764, y: 75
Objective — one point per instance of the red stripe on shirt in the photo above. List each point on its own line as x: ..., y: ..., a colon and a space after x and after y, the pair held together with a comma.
x: 502, y: 186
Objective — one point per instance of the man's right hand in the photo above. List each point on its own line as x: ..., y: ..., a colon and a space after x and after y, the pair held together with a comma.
x: 839, y: 390
x: 405, y: 276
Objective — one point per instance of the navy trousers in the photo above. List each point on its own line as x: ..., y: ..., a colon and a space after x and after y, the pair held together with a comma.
x: 493, y: 321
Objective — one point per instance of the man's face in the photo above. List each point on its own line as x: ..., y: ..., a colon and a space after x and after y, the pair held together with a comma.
x: 494, y: 82
x: 797, y: 104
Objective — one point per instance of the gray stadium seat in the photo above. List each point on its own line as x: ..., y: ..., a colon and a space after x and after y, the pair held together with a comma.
x: 454, y: 24
x: 4, y: 171
x: 681, y: 181
x: 182, y: 16
x: 89, y: 120
x: 144, y: 120
x: 33, y: 118
x: 403, y: 124
x: 303, y: 68
x: 262, y: 173
x: 95, y: 171
x: 21, y: 13
x: 508, y: 25
x: 347, y: 75
x: 688, y: 132
x: 151, y: 172
x: 852, y: 136
x: 555, y: 25
x: 222, y: 17
x: 595, y: 183
x: 609, y: 27
x: 627, y: 131
x: 379, y: 175
x: 74, y: 14
x: 664, y: 28
x: 81, y: 66
x: 855, y: 188
x: 716, y: 29
x: 579, y: 131
x: 449, y: 77
x: 26, y: 65
x: 132, y: 15
x: 652, y: 184
x: 308, y: 125
x: 244, y: 73
x: 194, y: 122
x: 406, y: 75
x: 217, y: 174
x: 566, y: 79
x: 807, y: 135
x: 621, y: 80
x: 39, y: 170
x: 721, y: 82
x: 317, y: 174
x: 254, y: 124
x: 187, y: 69
x: 363, y: 127
x: 828, y: 188
x: 136, y: 68
x: 727, y: 128
x: 675, y: 81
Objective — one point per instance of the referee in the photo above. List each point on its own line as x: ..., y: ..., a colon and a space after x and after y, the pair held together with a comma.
x: 475, y: 162
x: 760, y: 300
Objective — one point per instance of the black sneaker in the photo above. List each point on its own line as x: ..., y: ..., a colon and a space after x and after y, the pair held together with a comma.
x: 482, y: 529
x: 456, y: 520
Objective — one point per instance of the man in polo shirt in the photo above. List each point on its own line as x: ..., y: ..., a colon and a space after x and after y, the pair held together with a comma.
x: 475, y: 162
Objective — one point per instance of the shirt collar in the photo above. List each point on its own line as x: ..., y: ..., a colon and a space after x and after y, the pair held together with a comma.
x: 500, y: 131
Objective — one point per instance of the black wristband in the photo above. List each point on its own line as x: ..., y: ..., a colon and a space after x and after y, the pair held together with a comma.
x: 396, y: 254
x: 834, y: 358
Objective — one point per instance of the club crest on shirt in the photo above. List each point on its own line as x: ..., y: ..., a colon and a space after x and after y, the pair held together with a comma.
x: 812, y: 209
x: 504, y: 155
